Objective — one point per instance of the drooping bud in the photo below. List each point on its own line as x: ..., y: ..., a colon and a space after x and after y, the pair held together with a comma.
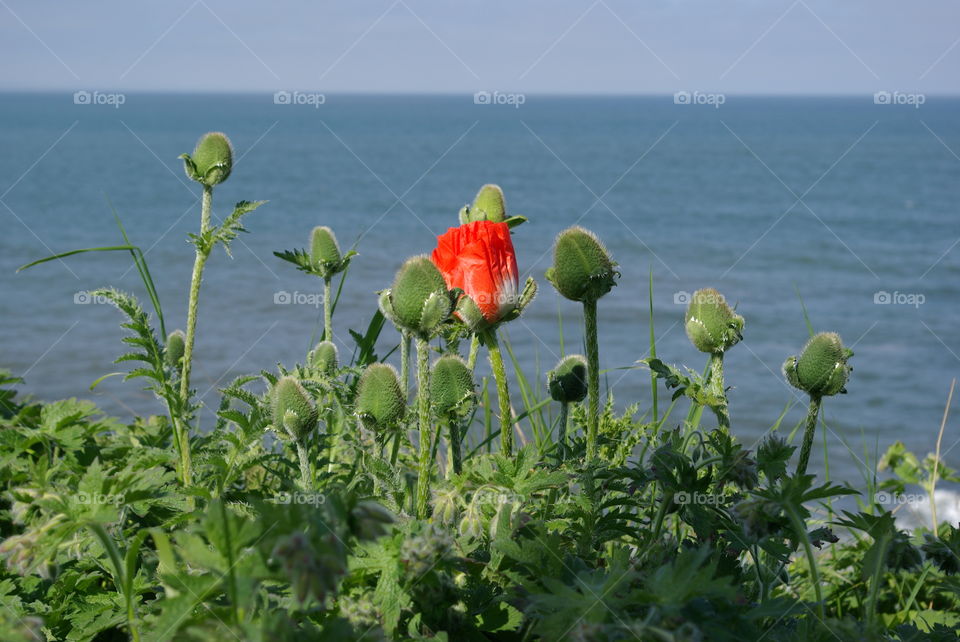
x: 451, y: 386
x: 325, y: 256
x: 380, y: 404
x: 822, y: 369
x: 324, y: 358
x: 568, y: 381
x: 292, y: 408
x: 173, y: 350
x: 419, y: 300
x: 212, y: 159
x: 711, y: 324
x: 582, y: 268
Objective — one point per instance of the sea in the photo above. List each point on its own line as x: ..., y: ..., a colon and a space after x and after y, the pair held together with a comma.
x: 837, y: 212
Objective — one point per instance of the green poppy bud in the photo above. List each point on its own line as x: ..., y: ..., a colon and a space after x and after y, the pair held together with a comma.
x: 324, y: 358
x: 173, y: 350
x: 711, y: 324
x: 489, y: 205
x: 418, y: 300
x: 325, y: 254
x: 212, y: 159
x: 451, y: 386
x: 821, y: 370
x: 380, y: 403
x: 292, y: 408
x: 582, y: 269
x: 568, y: 381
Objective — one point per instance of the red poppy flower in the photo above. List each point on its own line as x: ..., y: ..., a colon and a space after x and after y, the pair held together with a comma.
x: 479, y: 259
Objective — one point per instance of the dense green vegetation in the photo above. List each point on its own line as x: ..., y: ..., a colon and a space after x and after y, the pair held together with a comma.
x: 342, y: 499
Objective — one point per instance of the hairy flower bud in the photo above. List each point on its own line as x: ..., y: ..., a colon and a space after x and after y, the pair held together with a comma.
x: 325, y: 256
x: 451, y: 386
x: 489, y: 205
x: 173, y: 350
x: 292, y: 408
x: 380, y: 404
x: 212, y: 159
x: 323, y: 358
x: 419, y: 300
x: 821, y: 370
x: 582, y: 268
x: 711, y: 324
x: 568, y: 381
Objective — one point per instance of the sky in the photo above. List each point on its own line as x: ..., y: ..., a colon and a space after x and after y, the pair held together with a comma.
x: 453, y: 46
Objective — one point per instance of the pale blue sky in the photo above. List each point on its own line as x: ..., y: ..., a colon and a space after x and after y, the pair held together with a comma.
x: 564, y: 46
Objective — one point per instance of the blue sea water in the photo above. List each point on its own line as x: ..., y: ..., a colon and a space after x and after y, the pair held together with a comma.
x: 837, y: 200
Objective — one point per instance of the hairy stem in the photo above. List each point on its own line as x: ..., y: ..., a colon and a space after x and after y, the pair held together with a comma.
x: 423, y: 421
x: 474, y: 350
x: 327, y: 311
x: 456, y: 458
x: 718, y: 389
x: 593, y: 375
x: 503, y: 394
x: 804, y: 539
x: 405, y: 363
x: 811, y: 427
x: 305, y: 473
x: 183, y: 440
x: 562, y: 429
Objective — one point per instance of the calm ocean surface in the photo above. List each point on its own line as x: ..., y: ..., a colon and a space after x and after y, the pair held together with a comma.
x: 836, y: 198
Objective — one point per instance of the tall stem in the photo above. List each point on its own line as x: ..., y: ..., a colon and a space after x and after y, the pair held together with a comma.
x: 327, y: 311
x: 503, y: 394
x: 405, y: 363
x: 812, y: 413
x: 456, y: 458
x: 206, y: 206
x: 423, y: 420
x: 562, y: 429
x: 593, y: 375
x: 304, y: 466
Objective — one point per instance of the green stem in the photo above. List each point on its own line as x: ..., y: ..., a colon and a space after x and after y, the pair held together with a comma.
x: 653, y: 352
x: 305, y: 473
x: 718, y: 389
x: 804, y: 539
x: 395, y: 453
x: 811, y: 427
x: 593, y: 375
x: 183, y: 440
x: 503, y: 394
x: 562, y: 429
x: 327, y: 311
x: 474, y: 350
x: 456, y: 460
x: 423, y: 421
x: 405, y: 363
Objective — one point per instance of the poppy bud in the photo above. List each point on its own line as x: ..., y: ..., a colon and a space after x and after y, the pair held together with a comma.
x: 451, y: 386
x: 488, y: 205
x: 582, y: 269
x: 212, y: 159
x: 821, y: 370
x: 324, y: 358
x: 568, y: 381
x: 419, y: 300
x: 711, y: 324
x: 173, y: 350
x: 325, y: 254
x: 292, y: 408
x: 380, y: 403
